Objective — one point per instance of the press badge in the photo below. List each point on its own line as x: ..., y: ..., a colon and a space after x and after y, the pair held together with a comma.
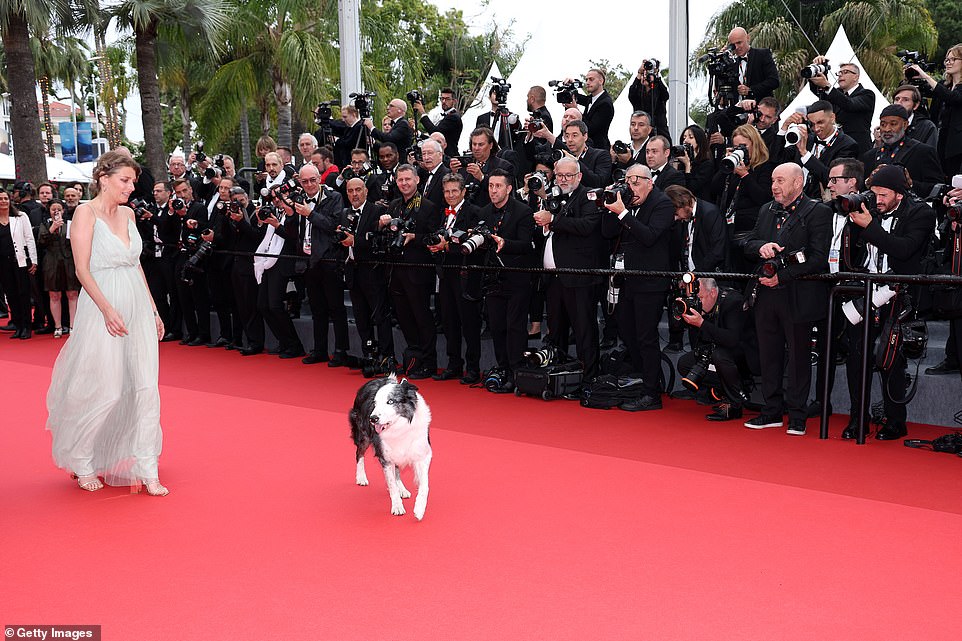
x: 833, y: 257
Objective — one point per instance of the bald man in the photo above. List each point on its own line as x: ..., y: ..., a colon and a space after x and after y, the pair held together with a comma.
x: 400, y: 133
x: 786, y: 308
x: 757, y: 73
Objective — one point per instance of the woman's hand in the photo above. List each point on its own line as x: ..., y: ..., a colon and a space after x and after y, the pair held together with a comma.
x: 159, y: 324
x: 114, y: 322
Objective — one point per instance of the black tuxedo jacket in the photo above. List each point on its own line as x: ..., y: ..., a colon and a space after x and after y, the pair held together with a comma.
x: 761, y: 74
x: 920, y: 159
x: 515, y: 224
x: 598, y: 118
x: 842, y: 147
x: 595, y: 168
x: 480, y: 198
x: 576, y: 237
x: 653, y: 100
x: 808, y: 228
x: 669, y: 176
x: 324, y: 221
x: 195, y: 211
x: 853, y: 112
x: 348, y: 139
x: 698, y: 180
x: 947, y: 111
x: 923, y: 130
x: 435, y: 191
x: 366, y: 226
x: 400, y: 135
x: 644, y: 236
x: 709, y: 245
x: 449, y: 126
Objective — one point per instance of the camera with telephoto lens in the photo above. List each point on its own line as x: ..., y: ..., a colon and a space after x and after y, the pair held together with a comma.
x: 781, y: 260
x: 537, y: 181
x: 477, y: 237
x: 178, y: 204
x: 793, y: 134
x: 620, y: 147
x: 141, y: 209
x: 954, y: 212
x: 652, y: 65
x: 199, y: 155
x: 500, y: 87
x: 323, y: 113
x: 811, y: 71
x: 362, y: 102
x: 396, y: 230
x: 414, y: 96
x: 689, y: 300
x: 736, y: 157
x: 722, y: 66
x: 696, y: 375
x: 541, y: 357
x: 848, y: 203
x: 194, y: 262
x: 915, y: 58
x: 565, y: 92
x: 739, y: 115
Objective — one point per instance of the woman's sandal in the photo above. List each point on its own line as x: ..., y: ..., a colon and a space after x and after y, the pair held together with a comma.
x: 90, y: 482
x: 58, y: 333
x: 154, y: 488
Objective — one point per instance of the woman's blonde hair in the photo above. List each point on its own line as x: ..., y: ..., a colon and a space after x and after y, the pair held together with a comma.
x: 109, y: 164
x: 759, y: 154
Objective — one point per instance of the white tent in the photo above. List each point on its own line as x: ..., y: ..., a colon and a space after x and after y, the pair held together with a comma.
x: 8, y: 168
x: 61, y: 171
x: 839, y: 52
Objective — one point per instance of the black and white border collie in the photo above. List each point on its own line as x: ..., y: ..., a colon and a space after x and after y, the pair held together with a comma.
x: 393, y: 417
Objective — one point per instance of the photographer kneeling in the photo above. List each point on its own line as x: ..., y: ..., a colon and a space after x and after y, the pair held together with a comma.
x: 718, y: 358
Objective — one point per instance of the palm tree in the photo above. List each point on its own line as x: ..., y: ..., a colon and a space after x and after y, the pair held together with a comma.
x: 876, y: 28
x: 153, y: 21
x: 57, y: 60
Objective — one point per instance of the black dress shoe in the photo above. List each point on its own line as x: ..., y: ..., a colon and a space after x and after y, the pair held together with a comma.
x: 25, y: 333
x: 291, y: 353
x: 274, y: 351
x: 16, y: 334
x: 46, y: 329
x: 646, y: 402
x: 197, y: 342
x: 420, y: 374
x: 945, y: 367
x: 471, y: 377
x: 313, y: 358
x: 170, y: 336
x: 725, y: 412
x: 891, y: 432
x: 338, y: 359
x: 851, y: 430
x: 447, y: 375
x: 220, y: 342
x: 814, y: 409
x: 9, y: 327
x: 251, y: 351
x: 187, y: 340
x: 608, y: 343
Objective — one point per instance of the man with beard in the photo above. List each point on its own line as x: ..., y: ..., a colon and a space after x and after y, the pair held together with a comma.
x: 482, y: 163
x: 920, y: 159
x: 816, y: 150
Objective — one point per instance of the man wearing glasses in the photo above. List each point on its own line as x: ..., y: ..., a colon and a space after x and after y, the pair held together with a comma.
x: 574, y: 241
x: 449, y: 126
x: 854, y: 104
x: 642, y: 229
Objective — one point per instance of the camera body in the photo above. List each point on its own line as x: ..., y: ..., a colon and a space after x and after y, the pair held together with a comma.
x: 537, y: 181
x: 476, y: 238
x: 696, y: 375
x: 916, y: 58
x: 348, y: 172
x: 267, y: 210
x: 722, y: 66
x: 543, y: 357
x: 811, y: 71
x: 500, y: 87
x: 414, y: 96
x: 535, y: 123
x: 178, y: 204
x: 735, y: 158
x: 395, y: 233
x: 779, y: 261
x: 141, y: 208
x: 620, y: 147
x: 341, y: 231
x: 853, y: 202
x: 609, y: 195
x: 362, y: 102
x: 565, y: 92
x: 688, y: 300
x: 677, y: 151
x: 195, y: 260
x: 652, y: 65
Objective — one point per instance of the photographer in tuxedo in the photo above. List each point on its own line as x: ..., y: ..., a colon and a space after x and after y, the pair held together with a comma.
x: 159, y: 232
x: 641, y: 229
x: 381, y: 186
x: 599, y: 108
x: 595, y: 163
x: 920, y: 127
x: 350, y: 133
x: 788, y: 228
x: 921, y: 160
x: 507, y: 294
x: 400, y: 133
x: 816, y: 149
x: 657, y: 155
x: 854, y: 104
x: 477, y: 167
x: 367, y: 282
x: 648, y: 93
x: 318, y: 218
x: 194, y: 296
x: 243, y: 235
x: 896, y: 237
x: 219, y: 268
x: 573, y: 240
x: 411, y: 287
x: 640, y: 132
x: 459, y: 293
x: 449, y: 125
x: 757, y: 73
x: 432, y: 172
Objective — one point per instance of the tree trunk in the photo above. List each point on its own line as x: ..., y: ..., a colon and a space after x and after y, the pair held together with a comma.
x: 47, y: 124
x: 245, y: 141
x: 185, y: 120
x: 24, y: 123
x: 107, y: 91
x: 150, y: 100
x: 283, y: 98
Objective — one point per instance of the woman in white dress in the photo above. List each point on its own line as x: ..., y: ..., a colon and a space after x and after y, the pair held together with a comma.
x: 104, y: 400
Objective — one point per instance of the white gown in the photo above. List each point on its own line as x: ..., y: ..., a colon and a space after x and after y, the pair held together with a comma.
x: 104, y: 400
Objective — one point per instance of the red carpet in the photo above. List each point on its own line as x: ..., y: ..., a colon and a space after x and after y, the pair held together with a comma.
x: 546, y: 521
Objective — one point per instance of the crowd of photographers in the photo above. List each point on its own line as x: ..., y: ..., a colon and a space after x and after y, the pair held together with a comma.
x: 505, y: 238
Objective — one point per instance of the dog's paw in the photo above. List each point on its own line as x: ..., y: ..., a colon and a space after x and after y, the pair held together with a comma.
x: 419, y: 512
x: 397, y: 510
x: 405, y: 493
x: 361, y: 479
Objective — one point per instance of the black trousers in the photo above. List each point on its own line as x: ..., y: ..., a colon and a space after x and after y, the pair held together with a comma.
x: 16, y: 285
x: 223, y: 299
x: 638, y: 314
x: 726, y: 378
x: 245, y: 293
x: 461, y: 321
x: 779, y: 333
x: 194, y: 300
x: 325, y: 293
x: 162, y: 282
x: 574, y: 308
x: 370, y: 305
x: 894, y: 412
x: 270, y: 303
x: 507, y: 320
x: 828, y: 347
x: 411, y: 289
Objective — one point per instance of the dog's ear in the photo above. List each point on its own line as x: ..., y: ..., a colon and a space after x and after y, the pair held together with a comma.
x: 408, y: 386
x: 392, y: 378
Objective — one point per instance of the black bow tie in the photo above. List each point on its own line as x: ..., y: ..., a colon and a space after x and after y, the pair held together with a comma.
x: 742, y: 58
x: 357, y: 212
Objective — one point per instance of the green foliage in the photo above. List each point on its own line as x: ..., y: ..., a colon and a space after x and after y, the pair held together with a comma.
x: 947, y: 15
x: 616, y: 77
